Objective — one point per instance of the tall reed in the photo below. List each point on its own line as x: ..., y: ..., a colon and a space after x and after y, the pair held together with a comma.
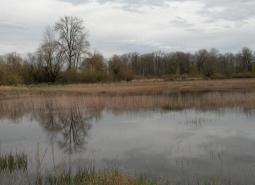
x: 11, y: 162
x: 18, y: 107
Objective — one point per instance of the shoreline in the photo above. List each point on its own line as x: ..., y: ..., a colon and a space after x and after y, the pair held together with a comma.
x: 140, y: 87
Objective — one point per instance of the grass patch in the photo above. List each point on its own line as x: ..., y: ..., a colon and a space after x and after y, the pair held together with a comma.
x: 90, y: 177
x: 11, y: 162
x: 138, y: 87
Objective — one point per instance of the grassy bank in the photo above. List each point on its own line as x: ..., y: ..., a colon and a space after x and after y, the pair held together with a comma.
x: 143, y: 87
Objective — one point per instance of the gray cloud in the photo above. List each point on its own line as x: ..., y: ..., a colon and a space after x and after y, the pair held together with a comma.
x: 127, y: 2
x: 237, y: 10
x: 119, y: 26
x: 180, y: 22
x: 218, y: 9
x: 128, y: 5
x: 8, y: 25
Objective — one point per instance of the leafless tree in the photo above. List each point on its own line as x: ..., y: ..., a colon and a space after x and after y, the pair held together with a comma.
x: 94, y: 63
x: 50, y: 56
x: 246, y: 59
x: 73, y: 40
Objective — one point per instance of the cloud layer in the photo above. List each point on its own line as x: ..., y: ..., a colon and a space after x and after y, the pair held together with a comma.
x: 119, y: 26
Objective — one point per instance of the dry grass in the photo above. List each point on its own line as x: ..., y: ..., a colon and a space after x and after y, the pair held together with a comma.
x: 86, y: 177
x: 144, y: 87
x: 16, y: 107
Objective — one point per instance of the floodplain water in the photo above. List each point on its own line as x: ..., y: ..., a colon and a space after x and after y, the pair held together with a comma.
x: 185, y: 146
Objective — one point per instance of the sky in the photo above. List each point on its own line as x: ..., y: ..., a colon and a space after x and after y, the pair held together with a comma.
x: 122, y: 26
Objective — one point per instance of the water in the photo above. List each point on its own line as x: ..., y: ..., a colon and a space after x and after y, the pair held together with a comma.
x: 180, y: 146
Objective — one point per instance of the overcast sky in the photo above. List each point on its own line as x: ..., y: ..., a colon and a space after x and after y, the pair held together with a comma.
x: 120, y: 26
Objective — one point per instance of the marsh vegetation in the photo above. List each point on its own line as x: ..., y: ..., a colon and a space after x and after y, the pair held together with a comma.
x: 11, y: 162
x: 51, y: 104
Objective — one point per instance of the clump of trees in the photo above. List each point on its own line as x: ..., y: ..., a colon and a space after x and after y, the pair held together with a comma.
x: 207, y: 64
x: 119, y: 68
x: 11, y: 69
x: 203, y: 64
x: 64, y: 57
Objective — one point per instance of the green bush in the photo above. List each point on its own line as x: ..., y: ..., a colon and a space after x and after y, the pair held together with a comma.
x: 69, y: 77
x: 244, y: 75
x: 13, y: 79
x: 253, y: 69
x: 9, y: 76
x: 83, y: 77
x: 93, y: 77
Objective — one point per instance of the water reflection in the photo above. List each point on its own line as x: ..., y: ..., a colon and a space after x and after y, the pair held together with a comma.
x: 68, y: 127
x: 177, y: 145
x: 74, y: 131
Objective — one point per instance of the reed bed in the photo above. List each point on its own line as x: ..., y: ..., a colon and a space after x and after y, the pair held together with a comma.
x: 136, y: 87
x: 106, y: 177
x: 91, y: 177
x: 17, y: 107
x: 12, y: 162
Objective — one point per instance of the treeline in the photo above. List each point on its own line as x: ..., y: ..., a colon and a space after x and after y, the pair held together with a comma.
x: 203, y: 63
x: 64, y: 57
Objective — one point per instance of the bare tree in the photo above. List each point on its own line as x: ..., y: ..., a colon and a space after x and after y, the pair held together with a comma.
x: 73, y: 40
x: 50, y: 56
x: 94, y: 63
x: 246, y: 59
x: 119, y: 69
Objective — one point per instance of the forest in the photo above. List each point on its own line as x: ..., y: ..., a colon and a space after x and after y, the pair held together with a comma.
x: 64, y: 56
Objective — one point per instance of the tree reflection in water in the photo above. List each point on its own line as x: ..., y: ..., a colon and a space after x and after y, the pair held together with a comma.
x: 67, y: 126
x: 75, y: 128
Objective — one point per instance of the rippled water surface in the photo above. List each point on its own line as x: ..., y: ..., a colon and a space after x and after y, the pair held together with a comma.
x: 182, y: 146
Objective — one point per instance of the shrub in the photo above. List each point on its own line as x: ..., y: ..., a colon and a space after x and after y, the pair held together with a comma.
x: 253, y: 69
x: 93, y: 77
x: 8, y: 76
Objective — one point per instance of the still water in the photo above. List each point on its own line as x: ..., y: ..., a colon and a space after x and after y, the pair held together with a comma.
x: 180, y: 146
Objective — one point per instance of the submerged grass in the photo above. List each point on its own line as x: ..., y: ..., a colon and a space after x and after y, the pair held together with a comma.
x: 17, y: 107
x: 115, y: 177
x: 91, y: 177
x: 133, y: 96
x: 88, y: 177
x: 11, y: 162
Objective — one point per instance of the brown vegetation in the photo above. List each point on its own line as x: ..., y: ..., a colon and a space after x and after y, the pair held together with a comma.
x: 17, y: 107
x: 90, y: 177
x: 144, y: 87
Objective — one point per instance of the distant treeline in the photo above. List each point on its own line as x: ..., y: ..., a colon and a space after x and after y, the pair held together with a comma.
x: 64, y: 57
